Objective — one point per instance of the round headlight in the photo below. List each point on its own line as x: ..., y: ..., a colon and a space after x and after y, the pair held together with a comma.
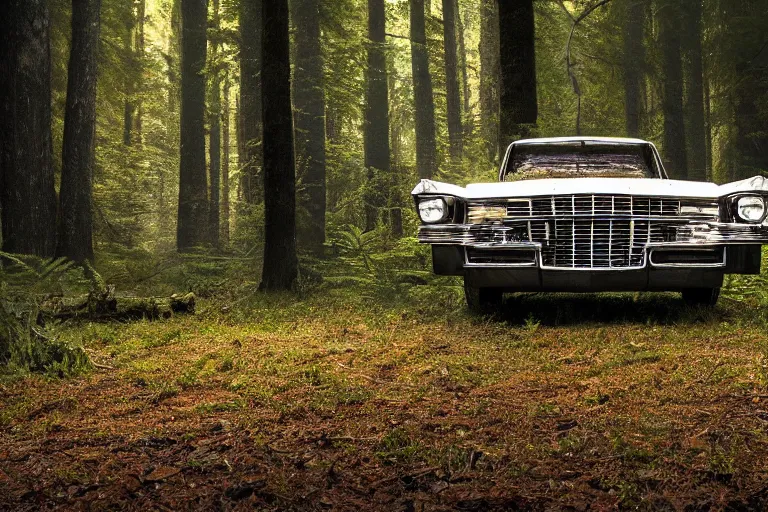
x: 433, y: 210
x: 751, y: 208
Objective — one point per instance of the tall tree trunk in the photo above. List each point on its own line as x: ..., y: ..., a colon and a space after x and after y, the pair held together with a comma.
x: 172, y: 59
x: 141, y: 15
x: 27, y: 194
x: 466, y: 92
x: 332, y: 125
x: 518, y: 109
x: 129, y: 58
x: 193, y: 182
x: 750, y: 94
x: 225, y: 166
x: 489, y: 76
x: 670, y: 21
x: 280, y: 262
x: 214, y: 145
x: 453, y: 98
x: 376, y: 136
x: 251, y: 181
x: 708, y: 122
x: 240, y: 143
x: 633, y: 64
x: 75, y: 199
x: 309, y: 122
x: 423, y: 99
x: 694, y: 105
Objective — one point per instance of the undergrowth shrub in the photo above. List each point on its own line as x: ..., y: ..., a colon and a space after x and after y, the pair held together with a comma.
x: 26, y: 344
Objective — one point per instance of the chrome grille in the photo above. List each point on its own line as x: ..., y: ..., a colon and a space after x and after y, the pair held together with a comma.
x: 602, y: 231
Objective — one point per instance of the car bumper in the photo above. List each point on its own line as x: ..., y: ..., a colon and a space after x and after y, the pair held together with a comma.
x: 652, y: 276
x: 693, y: 234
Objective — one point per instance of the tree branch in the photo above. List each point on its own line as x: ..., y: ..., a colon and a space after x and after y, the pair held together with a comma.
x: 571, y: 74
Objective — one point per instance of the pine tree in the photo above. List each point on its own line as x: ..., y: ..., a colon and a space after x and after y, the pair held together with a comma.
x: 633, y: 64
x: 453, y: 98
x: 27, y: 195
x: 251, y: 181
x: 376, y: 136
x: 672, y: 100
x: 191, y: 230
x: 518, y: 110
x: 309, y: 120
x: 75, y: 206
x: 214, y: 145
x: 424, y: 102
x: 489, y: 76
x: 280, y: 262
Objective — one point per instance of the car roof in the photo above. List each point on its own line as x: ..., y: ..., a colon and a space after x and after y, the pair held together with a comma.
x: 564, y: 140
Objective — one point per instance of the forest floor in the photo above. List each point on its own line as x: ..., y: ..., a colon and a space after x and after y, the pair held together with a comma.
x: 333, y: 402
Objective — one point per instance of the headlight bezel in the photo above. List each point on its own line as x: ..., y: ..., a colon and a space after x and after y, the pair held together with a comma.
x: 452, y: 208
x: 735, y: 203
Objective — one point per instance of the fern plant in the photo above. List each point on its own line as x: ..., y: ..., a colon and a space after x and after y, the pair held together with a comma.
x: 25, y: 343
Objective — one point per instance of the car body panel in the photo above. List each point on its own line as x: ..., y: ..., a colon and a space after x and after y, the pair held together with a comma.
x: 616, y: 186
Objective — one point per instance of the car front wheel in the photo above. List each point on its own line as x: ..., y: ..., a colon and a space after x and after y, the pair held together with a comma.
x: 701, y: 296
x: 481, y: 300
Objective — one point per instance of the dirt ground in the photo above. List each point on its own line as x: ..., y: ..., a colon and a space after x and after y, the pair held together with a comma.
x: 598, y: 403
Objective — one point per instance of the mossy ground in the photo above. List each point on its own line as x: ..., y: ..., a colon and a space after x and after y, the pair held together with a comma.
x: 376, y: 389
x: 335, y: 400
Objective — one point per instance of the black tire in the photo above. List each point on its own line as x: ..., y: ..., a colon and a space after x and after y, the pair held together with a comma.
x: 482, y: 300
x: 701, y: 296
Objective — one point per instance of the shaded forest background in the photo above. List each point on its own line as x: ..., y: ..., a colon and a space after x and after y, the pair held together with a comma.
x: 383, y: 92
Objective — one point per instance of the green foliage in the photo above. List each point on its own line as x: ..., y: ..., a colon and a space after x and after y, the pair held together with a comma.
x: 27, y: 342
x: 26, y: 346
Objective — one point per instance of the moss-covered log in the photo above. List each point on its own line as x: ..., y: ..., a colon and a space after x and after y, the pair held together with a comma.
x: 106, y: 306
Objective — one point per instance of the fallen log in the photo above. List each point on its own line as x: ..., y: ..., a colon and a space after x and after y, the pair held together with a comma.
x: 106, y: 306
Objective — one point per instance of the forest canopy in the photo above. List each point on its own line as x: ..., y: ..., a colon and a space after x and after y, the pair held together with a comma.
x: 146, y: 128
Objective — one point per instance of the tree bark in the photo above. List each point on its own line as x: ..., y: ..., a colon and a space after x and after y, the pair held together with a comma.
x: 424, y: 102
x: 280, y: 262
x: 193, y: 181
x: 129, y: 57
x: 670, y: 21
x: 453, y: 98
x: 489, y: 76
x: 309, y: 122
x: 750, y: 94
x: 240, y: 142
x: 225, y: 165
x: 251, y: 181
x: 174, y: 53
x: 633, y: 64
x: 466, y: 91
x: 214, y: 145
x: 27, y: 194
x: 376, y: 136
x: 141, y: 15
x: 708, y: 122
x: 76, y: 197
x: 694, y: 105
x: 518, y: 109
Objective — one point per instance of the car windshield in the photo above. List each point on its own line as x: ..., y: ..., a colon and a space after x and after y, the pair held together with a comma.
x: 540, y: 161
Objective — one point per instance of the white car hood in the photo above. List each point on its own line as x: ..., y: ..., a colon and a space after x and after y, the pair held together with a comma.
x: 618, y: 186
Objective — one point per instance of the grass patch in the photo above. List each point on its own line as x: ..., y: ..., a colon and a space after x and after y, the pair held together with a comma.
x: 614, y: 398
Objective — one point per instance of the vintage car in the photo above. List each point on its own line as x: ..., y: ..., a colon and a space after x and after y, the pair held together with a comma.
x: 584, y: 214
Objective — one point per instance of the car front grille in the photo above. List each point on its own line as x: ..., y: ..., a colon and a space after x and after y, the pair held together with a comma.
x: 599, y: 231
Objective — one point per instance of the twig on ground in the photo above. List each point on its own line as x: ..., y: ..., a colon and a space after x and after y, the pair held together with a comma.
x: 373, y: 379
x: 100, y: 366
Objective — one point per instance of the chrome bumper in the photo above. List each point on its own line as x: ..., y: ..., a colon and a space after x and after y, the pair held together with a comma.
x: 690, y: 237
x: 692, y: 234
